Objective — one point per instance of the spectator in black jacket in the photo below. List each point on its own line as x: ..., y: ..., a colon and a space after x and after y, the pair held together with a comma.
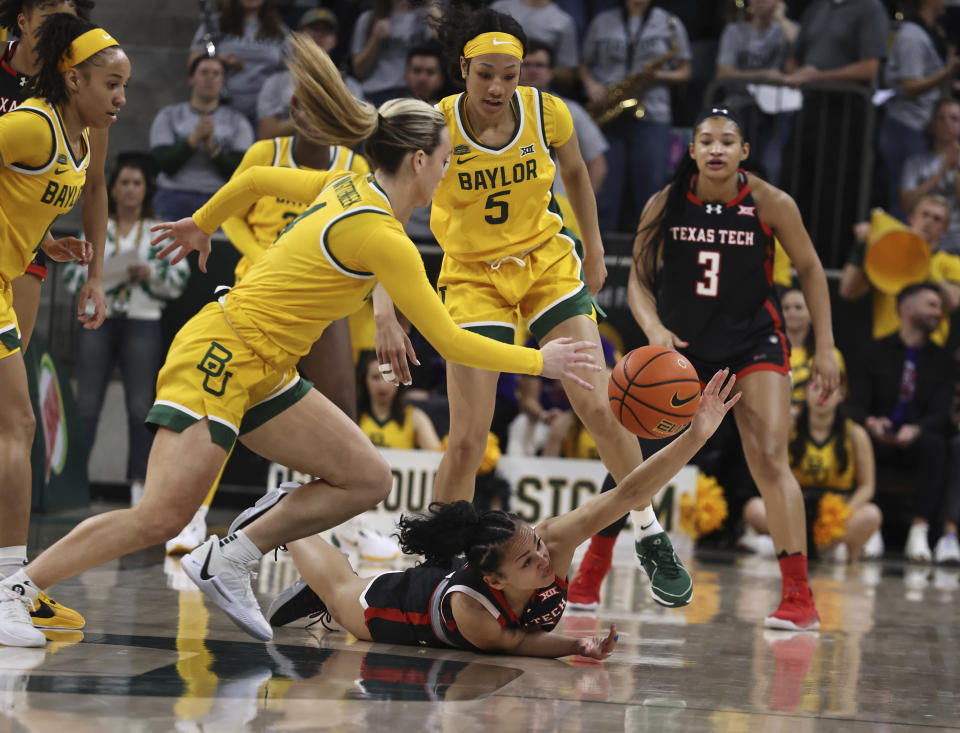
x: 901, y: 394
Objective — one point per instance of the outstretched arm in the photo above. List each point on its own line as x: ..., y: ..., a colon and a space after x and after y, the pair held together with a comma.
x: 564, y: 533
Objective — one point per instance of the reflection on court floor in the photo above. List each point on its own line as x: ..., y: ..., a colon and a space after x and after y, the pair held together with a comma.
x: 154, y: 657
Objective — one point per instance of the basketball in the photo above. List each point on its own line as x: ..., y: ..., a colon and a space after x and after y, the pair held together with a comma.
x: 654, y: 391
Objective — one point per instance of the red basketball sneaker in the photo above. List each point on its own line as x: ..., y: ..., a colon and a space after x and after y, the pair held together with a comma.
x: 584, y: 591
x: 797, y: 611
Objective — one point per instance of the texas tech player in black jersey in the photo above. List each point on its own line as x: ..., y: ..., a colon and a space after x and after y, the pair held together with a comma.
x: 715, y: 285
x: 12, y: 83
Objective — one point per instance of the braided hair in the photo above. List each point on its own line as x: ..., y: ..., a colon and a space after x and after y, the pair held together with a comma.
x: 449, y: 530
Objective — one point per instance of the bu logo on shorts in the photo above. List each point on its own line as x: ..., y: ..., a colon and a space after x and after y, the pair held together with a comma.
x: 214, y: 364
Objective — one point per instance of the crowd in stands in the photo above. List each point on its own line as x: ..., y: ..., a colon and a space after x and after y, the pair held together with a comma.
x: 887, y: 71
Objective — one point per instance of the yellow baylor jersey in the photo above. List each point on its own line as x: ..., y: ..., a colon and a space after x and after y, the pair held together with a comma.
x: 818, y: 468
x: 390, y: 434
x: 271, y: 214
x: 37, y: 184
x: 494, y: 202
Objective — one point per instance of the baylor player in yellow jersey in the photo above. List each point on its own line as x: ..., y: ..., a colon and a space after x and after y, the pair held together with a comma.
x: 252, y: 231
x: 507, y: 255
x: 44, y: 153
x: 829, y: 453
x: 231, y: 368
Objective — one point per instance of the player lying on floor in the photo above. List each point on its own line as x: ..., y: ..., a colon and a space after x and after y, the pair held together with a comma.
x: 490, y: 581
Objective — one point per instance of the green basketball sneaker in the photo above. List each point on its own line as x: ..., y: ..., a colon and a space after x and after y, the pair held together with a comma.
x: 670, y: 583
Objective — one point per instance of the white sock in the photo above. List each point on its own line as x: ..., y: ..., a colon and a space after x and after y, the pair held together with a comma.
x: 645, y: 523
x: 238, y: 548
x: 202, y: 512
x: 21, y: 582
x: 12, y: 559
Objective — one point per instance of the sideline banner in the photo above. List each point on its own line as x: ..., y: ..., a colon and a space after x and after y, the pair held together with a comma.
x: 58, y: 460
x: 540, y: 487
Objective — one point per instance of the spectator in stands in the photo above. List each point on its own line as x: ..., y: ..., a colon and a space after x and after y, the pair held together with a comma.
x: 799, y: 328
x: 381, y: 41
x: 650, y: 45
x: 758, y: 47
x: 273, y: 101
x: 935, y: 172
x: 137, y: 286
x: 838, y: 42
x: 545, y: 21
x: 537, y: 71
x: 249, y: 36
x: 829, y: 452
x: 930, y: 218
x: 426, y: 80
x: 384, y: 415
x: 196, y: 144
x: 900, y: 392
x: 919, y: 68
x: 424, y: 75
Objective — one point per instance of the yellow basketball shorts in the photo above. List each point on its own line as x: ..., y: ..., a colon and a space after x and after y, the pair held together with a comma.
x: 9, y: 327
x: 544, y: 286
x: 211, y: 373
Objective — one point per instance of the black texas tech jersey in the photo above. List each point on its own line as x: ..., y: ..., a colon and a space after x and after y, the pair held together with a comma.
x: 13, y: 86
x: 715, y: 288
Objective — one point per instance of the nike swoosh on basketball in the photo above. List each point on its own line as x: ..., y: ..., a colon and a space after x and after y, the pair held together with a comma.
x: 204, y: 575
x: 461, y: 161
x: 675, y: 401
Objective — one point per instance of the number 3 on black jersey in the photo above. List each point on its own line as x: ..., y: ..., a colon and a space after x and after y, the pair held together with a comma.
x: 708, y: 285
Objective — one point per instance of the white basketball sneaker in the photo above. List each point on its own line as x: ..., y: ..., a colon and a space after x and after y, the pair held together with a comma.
x: 918, y: 547
x: 16, y: 626
x: 370, y: 544
x: 227, y: 584
x: 873, y: 549
x: 191, y: 536
x: 947, y: 551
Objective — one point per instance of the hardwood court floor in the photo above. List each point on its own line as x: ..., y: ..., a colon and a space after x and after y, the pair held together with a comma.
x: 155, y: 657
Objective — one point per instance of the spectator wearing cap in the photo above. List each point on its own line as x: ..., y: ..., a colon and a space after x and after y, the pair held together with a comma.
x: 273, y: 102
x: 196, y: 144
x: 382, y: 38
x: 249, y: 37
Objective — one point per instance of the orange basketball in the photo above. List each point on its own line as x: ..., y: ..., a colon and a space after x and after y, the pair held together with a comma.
x: 654, y: 391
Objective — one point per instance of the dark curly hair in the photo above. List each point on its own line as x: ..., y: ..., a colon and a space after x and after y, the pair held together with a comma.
x: 449, y: 530
x: 460, y: 23
x: 53, y: 40
x: 11, y: 9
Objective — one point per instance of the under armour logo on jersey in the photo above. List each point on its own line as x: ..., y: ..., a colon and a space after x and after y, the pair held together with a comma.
x: 24, y: 80
x: 719, y: 111
x: 746, y: 210
x: 526, y: 150
x: 714, y: 208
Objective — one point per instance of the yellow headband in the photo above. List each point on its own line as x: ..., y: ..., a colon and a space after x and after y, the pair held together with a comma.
x: 494, y: 43
x: 84, y: 46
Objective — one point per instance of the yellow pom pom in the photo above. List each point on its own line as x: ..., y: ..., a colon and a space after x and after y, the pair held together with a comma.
x: 491, y: 454
x: 706, y: 511
x: 831, y: 522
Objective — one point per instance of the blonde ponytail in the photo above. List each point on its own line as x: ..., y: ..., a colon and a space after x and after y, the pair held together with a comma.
x: 331, y: 110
